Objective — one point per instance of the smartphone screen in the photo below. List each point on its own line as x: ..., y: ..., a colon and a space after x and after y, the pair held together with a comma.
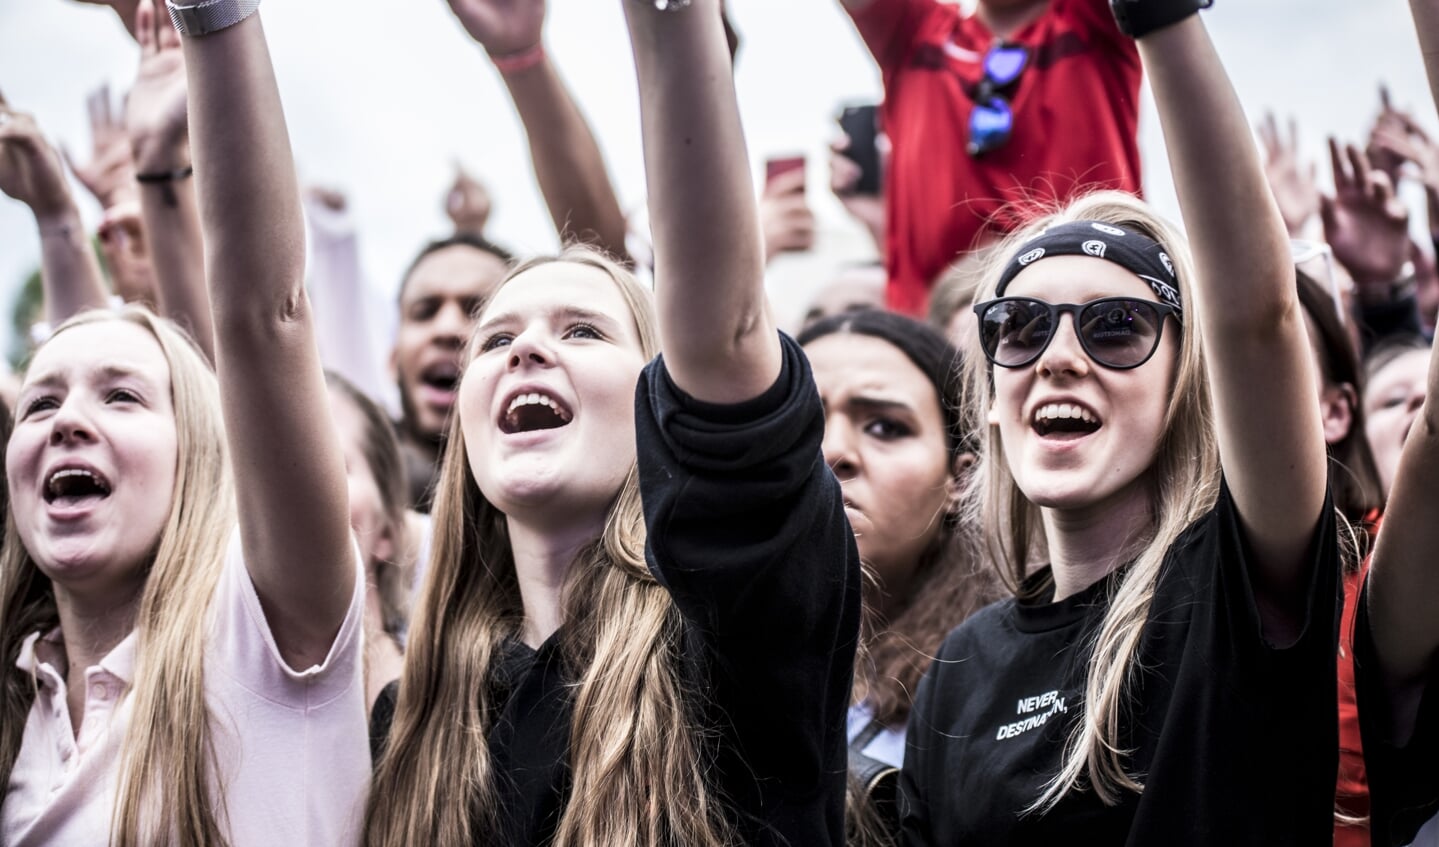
x: 781, y: 165
x: 861, y: 125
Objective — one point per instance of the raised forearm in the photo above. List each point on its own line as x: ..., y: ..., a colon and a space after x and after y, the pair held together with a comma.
x: 245, y: 176
x: 289, y: 470
x: 177, y: 250
x: 567, y: 160
x: 717, y: 333
x: 69, y: 271
x: 1260, y: 369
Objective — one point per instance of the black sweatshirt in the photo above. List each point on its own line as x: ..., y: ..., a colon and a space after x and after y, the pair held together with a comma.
x: 1235, y: 741
x: 746, y: 529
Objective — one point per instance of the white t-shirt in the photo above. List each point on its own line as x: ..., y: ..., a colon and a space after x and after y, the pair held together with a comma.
x: 291, y: 748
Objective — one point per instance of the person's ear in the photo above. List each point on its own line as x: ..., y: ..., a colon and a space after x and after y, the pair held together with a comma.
x: 1336, y: 410
x: 960, y: 470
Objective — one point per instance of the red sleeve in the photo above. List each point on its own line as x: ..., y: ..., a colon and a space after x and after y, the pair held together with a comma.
x: 1094, y: 17
x: 889, y: 27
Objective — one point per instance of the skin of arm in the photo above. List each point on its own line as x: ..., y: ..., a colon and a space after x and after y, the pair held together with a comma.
x: 1270, y: 436
x: 156, y: 120
x: 289, y: 468
x: 567, y: 160
x: 717, y: 332
x: 1403, y: 581
x: 30, y: 171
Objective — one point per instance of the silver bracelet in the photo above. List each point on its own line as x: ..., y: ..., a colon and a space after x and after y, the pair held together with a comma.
x: 207, y: 16
x: 668, y: 5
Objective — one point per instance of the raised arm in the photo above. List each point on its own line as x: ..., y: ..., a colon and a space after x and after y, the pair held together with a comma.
x: 289, y: 469
x: 1270, y: 438
x: 1404, y: 581
x: 156, y: 120
x: 30, y: 171
x: 719, y: 339
x: 568, y: 163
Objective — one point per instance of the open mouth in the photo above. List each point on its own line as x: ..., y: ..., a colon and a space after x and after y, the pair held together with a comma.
x: 441, y: 376
x: 534, y: 411
x: 1064, y: 420
x: 74, y: 486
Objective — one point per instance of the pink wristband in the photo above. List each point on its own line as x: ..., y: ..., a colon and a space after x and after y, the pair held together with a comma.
x: 521, y: 61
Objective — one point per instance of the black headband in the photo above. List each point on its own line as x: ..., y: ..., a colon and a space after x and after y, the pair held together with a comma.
x: 1127, y: 248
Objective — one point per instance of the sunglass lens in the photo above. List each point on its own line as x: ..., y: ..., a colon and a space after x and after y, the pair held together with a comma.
x: 1120, y: 333
x: 1003, y: 65
x: 1015, y: 332
x: 990, y: 124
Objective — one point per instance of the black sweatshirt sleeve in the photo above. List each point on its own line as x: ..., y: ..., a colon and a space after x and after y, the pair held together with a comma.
x: 746, y: 528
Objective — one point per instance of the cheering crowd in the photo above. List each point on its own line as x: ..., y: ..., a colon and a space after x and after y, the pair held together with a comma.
x: 1066, y: 524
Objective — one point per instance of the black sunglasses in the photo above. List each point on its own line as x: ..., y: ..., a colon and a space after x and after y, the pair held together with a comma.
x: 1117, y: 332
x: 991, y: 121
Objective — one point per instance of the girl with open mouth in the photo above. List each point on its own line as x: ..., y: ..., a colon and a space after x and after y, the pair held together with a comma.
x: 1152, y: 486
x: 638, y: 626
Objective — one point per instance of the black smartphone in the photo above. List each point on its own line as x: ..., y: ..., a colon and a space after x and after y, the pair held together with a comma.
x: 861, y: 124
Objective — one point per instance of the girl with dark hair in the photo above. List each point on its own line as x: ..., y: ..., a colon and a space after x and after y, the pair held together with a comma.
x: 889, y: 385
x: 895, y: 439
x: 1183, y: 621
x: 639, y: 622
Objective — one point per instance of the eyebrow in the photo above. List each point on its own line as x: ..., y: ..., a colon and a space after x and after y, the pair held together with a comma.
x: 562, y: 312
x: 106, y: 372
x: 871, y: 402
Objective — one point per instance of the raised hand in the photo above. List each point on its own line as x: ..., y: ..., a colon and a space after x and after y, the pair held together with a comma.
x: 1390, y: 121
x: 30, y: 169
x: 1364, y: 222
x: 868, y: 209
x: 127, y: 255
x: 785, y: 217
x: 468, y: 203
x: 109, y: 175
x: 1402, y: 139
x: 31, y: 172
x: 502, y: 27
x: 1292, y: 183
x: 156, y: 113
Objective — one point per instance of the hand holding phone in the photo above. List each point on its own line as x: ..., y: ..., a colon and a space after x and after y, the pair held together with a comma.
x: 784, y: 175
x: 861, y: 127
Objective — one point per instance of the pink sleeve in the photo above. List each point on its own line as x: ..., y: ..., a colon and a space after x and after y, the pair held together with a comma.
x: 242, y: 646
x: 889, y: 28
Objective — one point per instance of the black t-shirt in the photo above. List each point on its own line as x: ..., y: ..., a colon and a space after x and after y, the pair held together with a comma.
x: 1403, y: 779
x: 1235, y: 741
x: 746, y: 529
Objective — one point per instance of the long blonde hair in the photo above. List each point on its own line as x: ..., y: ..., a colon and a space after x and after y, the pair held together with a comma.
x: 636, y: 755
x: 1184, y: 481
x: 166, y: 770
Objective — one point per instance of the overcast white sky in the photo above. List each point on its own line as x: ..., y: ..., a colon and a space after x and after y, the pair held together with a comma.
x: 382, y: 96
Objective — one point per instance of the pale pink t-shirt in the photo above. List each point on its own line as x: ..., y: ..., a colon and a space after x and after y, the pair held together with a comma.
x: 291, y: 747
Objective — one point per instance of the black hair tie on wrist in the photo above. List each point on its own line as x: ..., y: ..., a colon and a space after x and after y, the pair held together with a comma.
x: 166, y: 180
x: 1138, y: 18
x: 166, y: 176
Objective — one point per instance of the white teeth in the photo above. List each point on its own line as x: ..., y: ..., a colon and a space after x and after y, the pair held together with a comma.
x: 532, y: 400
x: 67, y: 473
x: 1052, y: 411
